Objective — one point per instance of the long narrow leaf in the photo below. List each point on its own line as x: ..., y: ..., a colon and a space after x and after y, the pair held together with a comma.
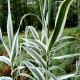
x: 60, y: 21
x: 34, y: 32
x: 67, y: 56
x: 14, y: 50
x: 36, y: 56
x: 5, y: 78
x: 59, y: 46
x: 29, y: 15
x: 36, y: 42
x: 9, y: 26
x: 65, y: 38
x: 6, y: 60
x: 18, y: 68
x: 49, y: 73
x: 1, y: 35
x: 49, y: 13
x: 65, y: 76
x: 36, y: 72
x: 27, y: 75
x: 56, y: 67
x: 7, y: 49
x: 26, y: 32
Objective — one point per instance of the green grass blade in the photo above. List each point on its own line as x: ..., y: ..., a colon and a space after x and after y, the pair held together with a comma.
x: 60, y: 21
x: 36, y: 56
x: 9, y: 26
x: 6, y: 60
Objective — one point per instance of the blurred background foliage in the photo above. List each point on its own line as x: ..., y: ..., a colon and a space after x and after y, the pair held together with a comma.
x: 21, y: 7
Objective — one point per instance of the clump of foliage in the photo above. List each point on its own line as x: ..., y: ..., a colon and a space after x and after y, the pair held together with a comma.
x: 41, y: 49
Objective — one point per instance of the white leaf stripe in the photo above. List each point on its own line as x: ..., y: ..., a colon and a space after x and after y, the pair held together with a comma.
x: 6, y: 60
x: 36, y: 56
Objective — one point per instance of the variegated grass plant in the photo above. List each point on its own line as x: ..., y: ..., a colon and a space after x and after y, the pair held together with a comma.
x: 12, y: 48
x: 41, y: 48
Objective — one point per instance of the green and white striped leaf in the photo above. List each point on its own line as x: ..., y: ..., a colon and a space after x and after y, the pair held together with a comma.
x: 36, y: 72
x: 49, y: 13
x: 44, y: 9
x: 5, y: 46
x: 56, y: 67
x: 34, y: 32
x: 27, y: 75
x: 60, y: 46
x: 49, y: 73
x: 14, y: 50
x: 65, y: 76
x: 67, y: 56
x: 65, y: 38
x: 41, y: 7
x: 30, y: 15
x: 6, y: 60
x: 7, y: 49
x: 60, y: 21
x: 36, y: 56
x: 36, y: 42
x: 1, y: 35
x: 9, y: 26
x: 18, y: 68
x: 26, y: 44
x: 5, y: 78
x: 42, y: 34
x: 26, y: 32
